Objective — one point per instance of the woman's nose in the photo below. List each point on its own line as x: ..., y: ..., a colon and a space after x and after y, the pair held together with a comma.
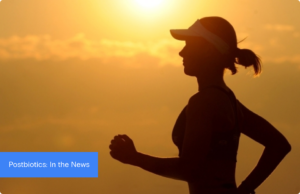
x: 181, y: 53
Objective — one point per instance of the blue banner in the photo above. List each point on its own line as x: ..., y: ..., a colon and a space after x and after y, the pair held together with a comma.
x: 48, y: 164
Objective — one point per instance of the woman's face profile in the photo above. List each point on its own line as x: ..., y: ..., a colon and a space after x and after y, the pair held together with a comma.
x: 195, y: 54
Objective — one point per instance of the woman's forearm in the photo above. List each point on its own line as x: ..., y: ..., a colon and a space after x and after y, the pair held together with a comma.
x: 166, y: 167
x: 266, y: 165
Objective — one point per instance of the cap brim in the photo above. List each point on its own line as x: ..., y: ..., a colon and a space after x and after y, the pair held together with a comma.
x: 182, y: 34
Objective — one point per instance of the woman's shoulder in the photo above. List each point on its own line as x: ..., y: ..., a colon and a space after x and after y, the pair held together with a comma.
x: 209, y: 95
x: 209, y: 101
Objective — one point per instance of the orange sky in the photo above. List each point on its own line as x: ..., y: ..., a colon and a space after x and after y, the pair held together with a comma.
x: 75, y: 73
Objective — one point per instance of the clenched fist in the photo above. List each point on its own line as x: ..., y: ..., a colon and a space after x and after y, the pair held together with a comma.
x: 122, y: 149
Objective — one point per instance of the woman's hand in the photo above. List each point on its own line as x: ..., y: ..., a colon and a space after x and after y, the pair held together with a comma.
x: 122, y: 149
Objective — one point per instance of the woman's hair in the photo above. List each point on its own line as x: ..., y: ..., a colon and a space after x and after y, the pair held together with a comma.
x: 224, y: 30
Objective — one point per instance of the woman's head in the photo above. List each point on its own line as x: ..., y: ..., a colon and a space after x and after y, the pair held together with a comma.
x: 211, y: 43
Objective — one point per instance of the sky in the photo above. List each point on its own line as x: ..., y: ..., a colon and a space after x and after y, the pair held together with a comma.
x: 73, y: 74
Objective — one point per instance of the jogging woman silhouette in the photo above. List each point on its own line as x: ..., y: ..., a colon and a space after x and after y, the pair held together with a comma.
x: 207, y: 130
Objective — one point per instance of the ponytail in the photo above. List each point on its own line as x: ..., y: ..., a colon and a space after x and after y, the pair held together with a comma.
x: 247, y: 58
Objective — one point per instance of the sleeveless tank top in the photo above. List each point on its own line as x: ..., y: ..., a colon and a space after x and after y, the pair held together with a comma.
x: 224, y: 145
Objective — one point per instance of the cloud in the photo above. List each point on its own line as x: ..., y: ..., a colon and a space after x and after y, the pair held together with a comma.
x: 45, y: 48
x: 130, y: 54
x: 279, y: 27
x: 283, y: 59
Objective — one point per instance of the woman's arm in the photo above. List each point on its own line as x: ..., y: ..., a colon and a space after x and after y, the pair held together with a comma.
x: 166, y: 167
x: 123, y: 149
x: 276, y: 148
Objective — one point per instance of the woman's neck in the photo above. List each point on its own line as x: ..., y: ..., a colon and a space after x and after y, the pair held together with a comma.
x: 208, y: 79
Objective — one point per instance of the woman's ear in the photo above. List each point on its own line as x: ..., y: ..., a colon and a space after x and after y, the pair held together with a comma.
x: 210, y: 51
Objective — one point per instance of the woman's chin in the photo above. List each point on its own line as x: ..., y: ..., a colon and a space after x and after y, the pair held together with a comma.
x: 188, y: 72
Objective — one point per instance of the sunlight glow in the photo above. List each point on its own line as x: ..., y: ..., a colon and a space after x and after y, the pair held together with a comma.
x: 150, y: 9
x: 148, y: 4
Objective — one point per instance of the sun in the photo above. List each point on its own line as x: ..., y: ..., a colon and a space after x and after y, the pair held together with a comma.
x: 151, y: 10
x: 149, y: 4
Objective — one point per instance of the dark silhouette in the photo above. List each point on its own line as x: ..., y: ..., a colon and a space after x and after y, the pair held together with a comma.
x: 207, y: 130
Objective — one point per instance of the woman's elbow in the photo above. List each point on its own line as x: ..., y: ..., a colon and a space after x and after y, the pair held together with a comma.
x: 288, y: 148
x: 284, y: 147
